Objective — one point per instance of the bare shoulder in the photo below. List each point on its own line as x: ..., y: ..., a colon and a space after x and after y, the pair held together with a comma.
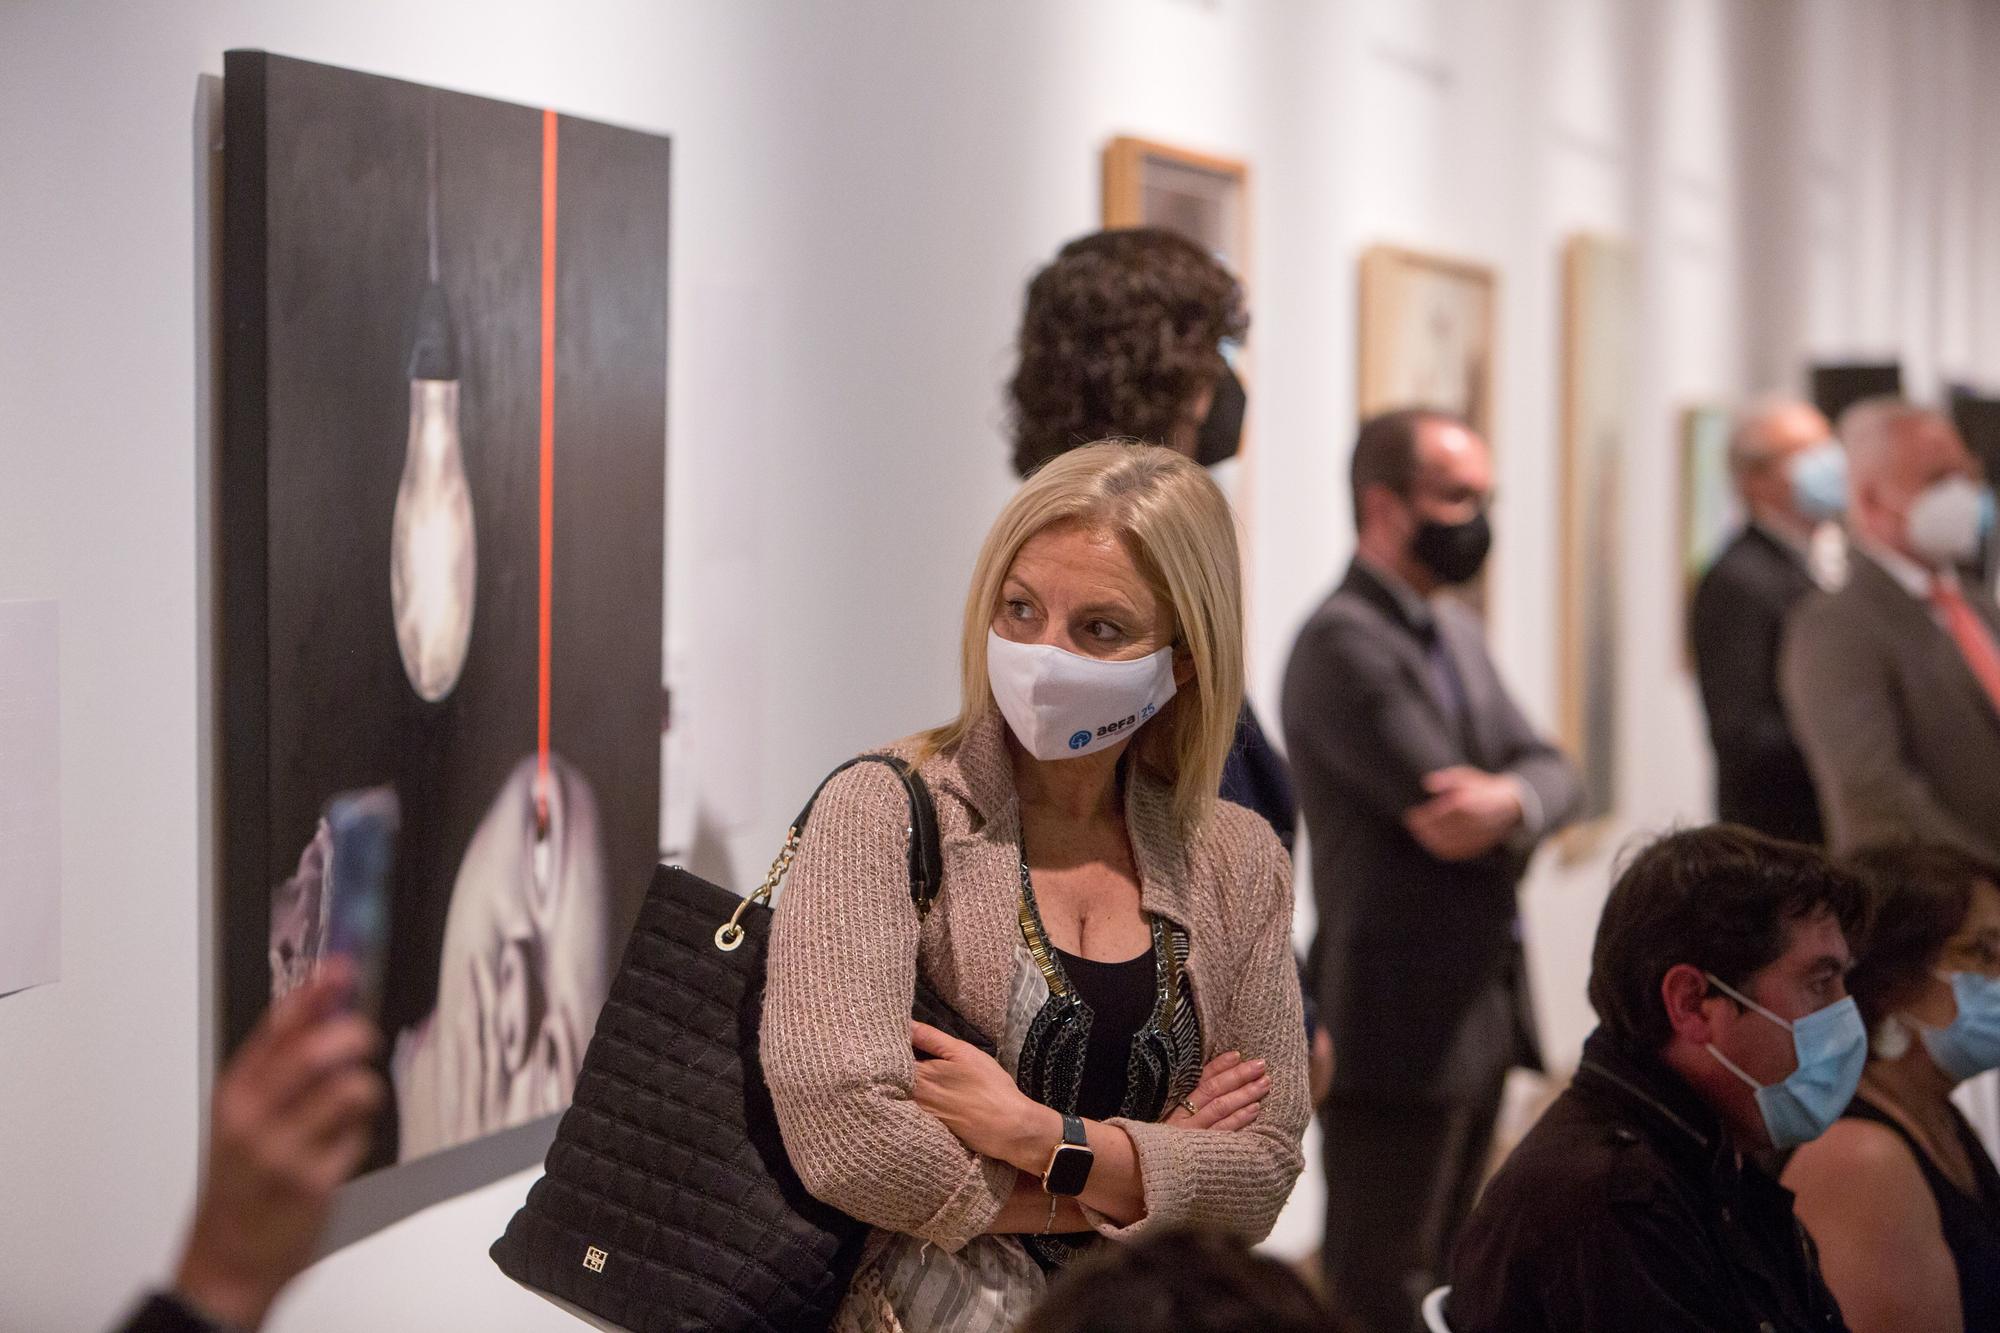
x: 1859, y: 1166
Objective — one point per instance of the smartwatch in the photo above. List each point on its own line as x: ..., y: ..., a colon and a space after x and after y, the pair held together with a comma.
x: 1070, y: 1163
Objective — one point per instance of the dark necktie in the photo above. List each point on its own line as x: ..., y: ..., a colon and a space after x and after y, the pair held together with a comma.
x: 1444, y: 674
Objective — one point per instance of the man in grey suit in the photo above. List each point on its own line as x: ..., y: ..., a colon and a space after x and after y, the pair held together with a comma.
x: 1424, y: 792
x: 1893, y: 683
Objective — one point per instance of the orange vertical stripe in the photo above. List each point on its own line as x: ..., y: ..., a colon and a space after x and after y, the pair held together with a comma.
x: 548, y: 516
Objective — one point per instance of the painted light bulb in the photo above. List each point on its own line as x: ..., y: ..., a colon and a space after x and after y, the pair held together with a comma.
x: 433, y: 559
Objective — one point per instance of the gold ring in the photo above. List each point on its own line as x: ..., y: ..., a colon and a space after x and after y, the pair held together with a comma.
x: 1187, y: 1104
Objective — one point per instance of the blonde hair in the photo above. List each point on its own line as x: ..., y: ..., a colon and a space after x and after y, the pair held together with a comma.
x: 1181, y: 534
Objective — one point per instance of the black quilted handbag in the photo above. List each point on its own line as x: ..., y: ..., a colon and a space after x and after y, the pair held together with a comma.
x: 667, y: 1202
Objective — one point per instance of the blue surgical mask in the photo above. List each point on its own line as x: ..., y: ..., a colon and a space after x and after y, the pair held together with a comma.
x: 1970, y: 1043
x: 1832, y: 1047
x: 1819, y: 482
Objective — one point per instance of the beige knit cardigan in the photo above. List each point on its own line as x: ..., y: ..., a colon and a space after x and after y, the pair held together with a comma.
x: 846, y: 945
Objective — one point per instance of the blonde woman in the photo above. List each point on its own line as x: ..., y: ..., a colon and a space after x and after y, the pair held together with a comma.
x: 1121, y: 934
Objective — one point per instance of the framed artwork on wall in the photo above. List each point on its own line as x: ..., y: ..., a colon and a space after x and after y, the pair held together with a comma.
x: 1839, y: 385
x: 1599, y: 292
x: 1427, y: 340
x: 442, y: 500
x: 1427, y: 334
x: 1978, y: 420
x: 1709, y: 511
x: 1203, y: 197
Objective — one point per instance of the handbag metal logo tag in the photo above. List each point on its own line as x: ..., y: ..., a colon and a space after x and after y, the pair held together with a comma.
x: 593, y: 1259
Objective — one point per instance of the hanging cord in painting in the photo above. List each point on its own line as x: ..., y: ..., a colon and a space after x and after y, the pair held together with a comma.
x: 431, y: 190
x: 548, y: 468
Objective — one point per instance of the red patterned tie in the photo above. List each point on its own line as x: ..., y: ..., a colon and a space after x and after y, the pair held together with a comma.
x: 1969, y: 632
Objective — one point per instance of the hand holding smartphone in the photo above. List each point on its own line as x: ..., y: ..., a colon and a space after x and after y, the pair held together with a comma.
x: 363, y: 825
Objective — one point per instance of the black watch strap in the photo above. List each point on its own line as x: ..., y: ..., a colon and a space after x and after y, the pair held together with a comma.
x: 1070, y: 1163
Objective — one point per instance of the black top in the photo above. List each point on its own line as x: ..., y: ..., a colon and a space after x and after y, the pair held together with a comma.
x: 1121, y: 998
x: 1971, y: 1225
x: 1626, y: 1208
x: 1736, y: 627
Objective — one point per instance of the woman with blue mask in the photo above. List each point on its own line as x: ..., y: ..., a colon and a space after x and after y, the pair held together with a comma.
x: 1900, y: 1195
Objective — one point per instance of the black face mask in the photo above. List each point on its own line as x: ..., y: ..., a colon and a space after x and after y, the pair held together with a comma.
x: 1455, y: 552
x: 1221, y: 433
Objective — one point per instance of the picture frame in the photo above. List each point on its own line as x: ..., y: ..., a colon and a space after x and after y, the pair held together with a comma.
x: 1427, y: 330
x: 1709, y: 511
x: 441, y: 493
x: 1206, y: 198
x: 1203, y: 196
x: 1427, y: 334
x: 1599, y: 286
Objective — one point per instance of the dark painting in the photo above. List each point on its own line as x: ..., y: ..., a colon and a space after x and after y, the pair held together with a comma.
x: 442, y: 507
x: 1839, y: 386
x: 1978, y: 420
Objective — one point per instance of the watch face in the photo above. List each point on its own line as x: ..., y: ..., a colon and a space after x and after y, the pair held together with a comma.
x: 1069, y: 1168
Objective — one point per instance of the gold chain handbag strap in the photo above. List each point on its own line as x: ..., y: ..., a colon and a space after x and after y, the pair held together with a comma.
x: 730, y: 935
x: 920, y: 837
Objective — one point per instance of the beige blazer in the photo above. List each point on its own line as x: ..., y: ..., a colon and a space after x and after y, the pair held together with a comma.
x: 846, y: 946
x: 1899, y: 737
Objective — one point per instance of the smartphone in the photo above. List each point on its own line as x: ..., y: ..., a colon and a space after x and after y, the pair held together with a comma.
x: 363, y: 826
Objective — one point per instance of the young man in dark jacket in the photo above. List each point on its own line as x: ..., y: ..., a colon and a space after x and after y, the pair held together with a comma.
x: 1725, y: 1032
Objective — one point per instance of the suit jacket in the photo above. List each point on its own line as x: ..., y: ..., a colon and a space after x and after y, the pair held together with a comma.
x: 1417, y: 964
x: 1737, y: 625
x: 1899, y: 736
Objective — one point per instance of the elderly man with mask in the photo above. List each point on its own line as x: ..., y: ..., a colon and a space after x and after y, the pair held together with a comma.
x: 1892, y: 684
x: 1792, y: 478
x: 1424, y: 791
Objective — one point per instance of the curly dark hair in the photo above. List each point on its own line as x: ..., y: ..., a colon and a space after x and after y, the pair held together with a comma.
x: 1121, y: 331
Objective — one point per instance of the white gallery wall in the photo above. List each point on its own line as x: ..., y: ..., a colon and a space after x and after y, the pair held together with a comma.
x: 861, y: 188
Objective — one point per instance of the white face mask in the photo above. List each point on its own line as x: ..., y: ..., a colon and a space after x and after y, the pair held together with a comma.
x: 1062, y: 706
x: 1944, y: 522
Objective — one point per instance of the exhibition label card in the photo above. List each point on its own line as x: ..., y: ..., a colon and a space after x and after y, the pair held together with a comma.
x: 30, y: 823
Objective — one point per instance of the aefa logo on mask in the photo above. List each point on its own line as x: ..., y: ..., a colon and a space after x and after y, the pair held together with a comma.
x: 1114, y: 728
x: 1082, y: 738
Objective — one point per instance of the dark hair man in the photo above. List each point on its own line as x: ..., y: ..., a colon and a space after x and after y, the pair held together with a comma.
x: 1425, y: 791
x: 1725, y: 1030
